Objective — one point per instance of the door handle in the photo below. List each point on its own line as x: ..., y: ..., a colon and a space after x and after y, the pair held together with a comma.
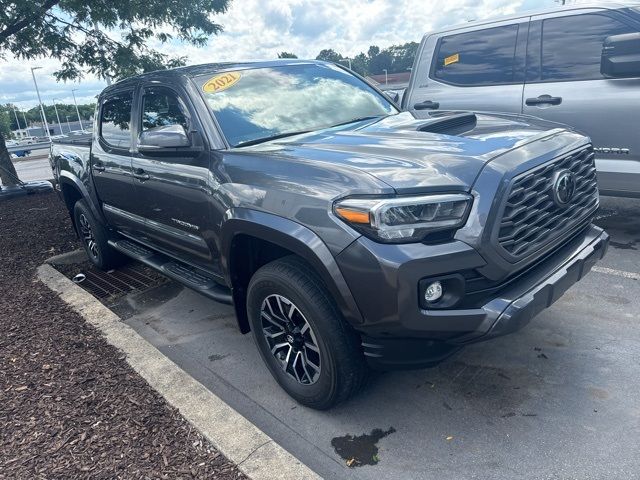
x: 427, y: 105
x: 140, y: 174
x: 544, y: 100
x: 98, y: 167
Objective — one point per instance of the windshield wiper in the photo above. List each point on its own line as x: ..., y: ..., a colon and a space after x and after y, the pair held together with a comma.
x: 359, y: 119
x: 255, y: 141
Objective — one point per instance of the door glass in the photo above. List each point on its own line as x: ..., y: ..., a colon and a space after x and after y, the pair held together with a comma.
x: 483, y: 57
x: 115, y: 120
x: 163, y: 108
x: 572, y: 46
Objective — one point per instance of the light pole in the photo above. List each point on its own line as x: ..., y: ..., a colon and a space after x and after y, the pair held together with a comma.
x: 57, y: 116
x: 16, y: 114
x: 386, y: 76
x: 44, y: 118
x: 26, y: 125
x: 68, y: 124
x: 348, y: 60
x: 73, y: 92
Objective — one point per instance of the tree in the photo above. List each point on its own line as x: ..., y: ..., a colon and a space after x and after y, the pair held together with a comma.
x: 329, y: 55
x: 287, y: 55
x: 360, y: 64
x: 379, y: 60
x: 373, y: 51
x: 403, y: 56
x: 107, y: 38
x: 5, y: 123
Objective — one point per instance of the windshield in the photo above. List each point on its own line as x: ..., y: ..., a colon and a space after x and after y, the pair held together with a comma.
x: 260, y: 103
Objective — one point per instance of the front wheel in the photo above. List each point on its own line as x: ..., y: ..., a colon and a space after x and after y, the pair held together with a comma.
x: 309, y: 349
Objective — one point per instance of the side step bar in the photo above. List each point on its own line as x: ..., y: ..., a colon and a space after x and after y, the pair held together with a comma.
x: 189, y: 276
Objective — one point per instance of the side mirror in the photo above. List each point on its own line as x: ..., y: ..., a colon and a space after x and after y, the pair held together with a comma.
x: 621, y: 56
x: 393, y: 96
x: 169, y: 136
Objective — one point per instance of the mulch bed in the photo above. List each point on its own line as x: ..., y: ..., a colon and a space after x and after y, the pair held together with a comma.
x: 70, y: 406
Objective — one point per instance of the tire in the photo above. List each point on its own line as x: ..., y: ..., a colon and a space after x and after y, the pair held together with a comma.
x: 94, y: 239
x: 285, y: 295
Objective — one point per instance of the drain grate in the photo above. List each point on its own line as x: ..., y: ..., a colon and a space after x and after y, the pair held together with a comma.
x: 114, y: 283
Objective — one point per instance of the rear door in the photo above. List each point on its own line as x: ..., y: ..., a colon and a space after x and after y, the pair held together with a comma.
x: 480, y: 69
x: 173, y: 185
x: 564, y: 84
x: 111, y: 161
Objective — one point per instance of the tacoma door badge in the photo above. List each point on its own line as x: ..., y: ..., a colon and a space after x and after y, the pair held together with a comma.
x: 186, y: 224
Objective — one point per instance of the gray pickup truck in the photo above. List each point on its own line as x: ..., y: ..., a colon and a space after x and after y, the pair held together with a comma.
x: 577, y: 64
x: 346, y: 233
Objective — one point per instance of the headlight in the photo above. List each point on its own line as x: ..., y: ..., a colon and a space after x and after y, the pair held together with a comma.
x: 404, y: 219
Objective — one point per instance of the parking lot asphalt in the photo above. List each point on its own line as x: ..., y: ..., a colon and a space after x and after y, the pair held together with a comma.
x: 34, y: 167
x: 556, y: 400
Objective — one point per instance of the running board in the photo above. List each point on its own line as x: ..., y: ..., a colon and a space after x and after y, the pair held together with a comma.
x: 189, y: 276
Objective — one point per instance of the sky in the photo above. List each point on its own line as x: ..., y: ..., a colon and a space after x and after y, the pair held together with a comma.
x: 260, y: 29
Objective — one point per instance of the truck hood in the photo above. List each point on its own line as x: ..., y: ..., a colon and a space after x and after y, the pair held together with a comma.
x: 443, y: 152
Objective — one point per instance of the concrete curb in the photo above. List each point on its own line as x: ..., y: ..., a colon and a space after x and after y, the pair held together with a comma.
x: 257, y: 455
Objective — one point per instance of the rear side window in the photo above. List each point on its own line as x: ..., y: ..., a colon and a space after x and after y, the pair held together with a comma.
x: 162, y: 107
x: 572, y: 46
x: 115, y: 120
x: 482, y: 57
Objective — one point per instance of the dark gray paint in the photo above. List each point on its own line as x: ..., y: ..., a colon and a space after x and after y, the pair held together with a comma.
x: 191, y: 203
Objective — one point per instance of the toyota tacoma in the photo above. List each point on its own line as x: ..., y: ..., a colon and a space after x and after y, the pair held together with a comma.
x: 347, y: 234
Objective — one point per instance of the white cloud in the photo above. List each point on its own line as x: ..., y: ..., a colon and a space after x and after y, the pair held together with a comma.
x: 260, y: 29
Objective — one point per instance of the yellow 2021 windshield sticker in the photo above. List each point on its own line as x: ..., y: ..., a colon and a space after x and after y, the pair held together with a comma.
x: 221, y: 82
x: 452, y: 59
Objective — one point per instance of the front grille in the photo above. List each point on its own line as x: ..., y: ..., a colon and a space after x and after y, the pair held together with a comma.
x: 532, y: 219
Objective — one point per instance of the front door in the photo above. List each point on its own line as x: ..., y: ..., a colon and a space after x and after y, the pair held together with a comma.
x: 173, y: 185
x: 564, y: 84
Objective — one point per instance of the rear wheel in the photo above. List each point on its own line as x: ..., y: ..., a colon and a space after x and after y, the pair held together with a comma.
x: 309, y: 349
x: 94, y: 238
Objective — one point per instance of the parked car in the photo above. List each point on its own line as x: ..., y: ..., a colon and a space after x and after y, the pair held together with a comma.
x: 574, y: 64
x: 14, y: 149
x: 347, y: 234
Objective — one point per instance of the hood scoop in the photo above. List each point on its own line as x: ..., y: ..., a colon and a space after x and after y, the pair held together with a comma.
x: 453, y: 124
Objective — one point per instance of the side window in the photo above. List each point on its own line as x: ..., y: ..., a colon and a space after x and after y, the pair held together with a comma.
x: 115, y: 120
x: 482, y: 57
x: 162, y: 107
x: 572, y: 46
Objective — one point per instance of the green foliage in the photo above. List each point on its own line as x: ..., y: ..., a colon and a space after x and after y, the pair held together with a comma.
x: 33, y: 115
x: 5, y: 124
x: 287, y: 55
x: 329, y: 55
x: 403, y: 56
x: 395, y: 59
x: 360, y: 64
x: 108, y: 38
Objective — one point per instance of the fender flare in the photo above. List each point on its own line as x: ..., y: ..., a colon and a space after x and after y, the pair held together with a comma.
x: 294, y: 237
x: 66, y: 177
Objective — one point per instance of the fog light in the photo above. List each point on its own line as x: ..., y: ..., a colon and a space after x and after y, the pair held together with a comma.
x: 433, y: 292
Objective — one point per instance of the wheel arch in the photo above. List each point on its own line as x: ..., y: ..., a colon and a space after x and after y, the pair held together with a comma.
x: 72, y: 190
x: 247, y: 232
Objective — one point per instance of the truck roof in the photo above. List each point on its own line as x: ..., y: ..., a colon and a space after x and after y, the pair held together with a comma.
x: 540, y: 11
x: 209, y: 68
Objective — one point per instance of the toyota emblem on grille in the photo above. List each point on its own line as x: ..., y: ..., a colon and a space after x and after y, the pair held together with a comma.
x: 564, y: 186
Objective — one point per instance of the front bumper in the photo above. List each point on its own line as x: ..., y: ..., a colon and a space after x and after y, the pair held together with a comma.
x: 415, y: 337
